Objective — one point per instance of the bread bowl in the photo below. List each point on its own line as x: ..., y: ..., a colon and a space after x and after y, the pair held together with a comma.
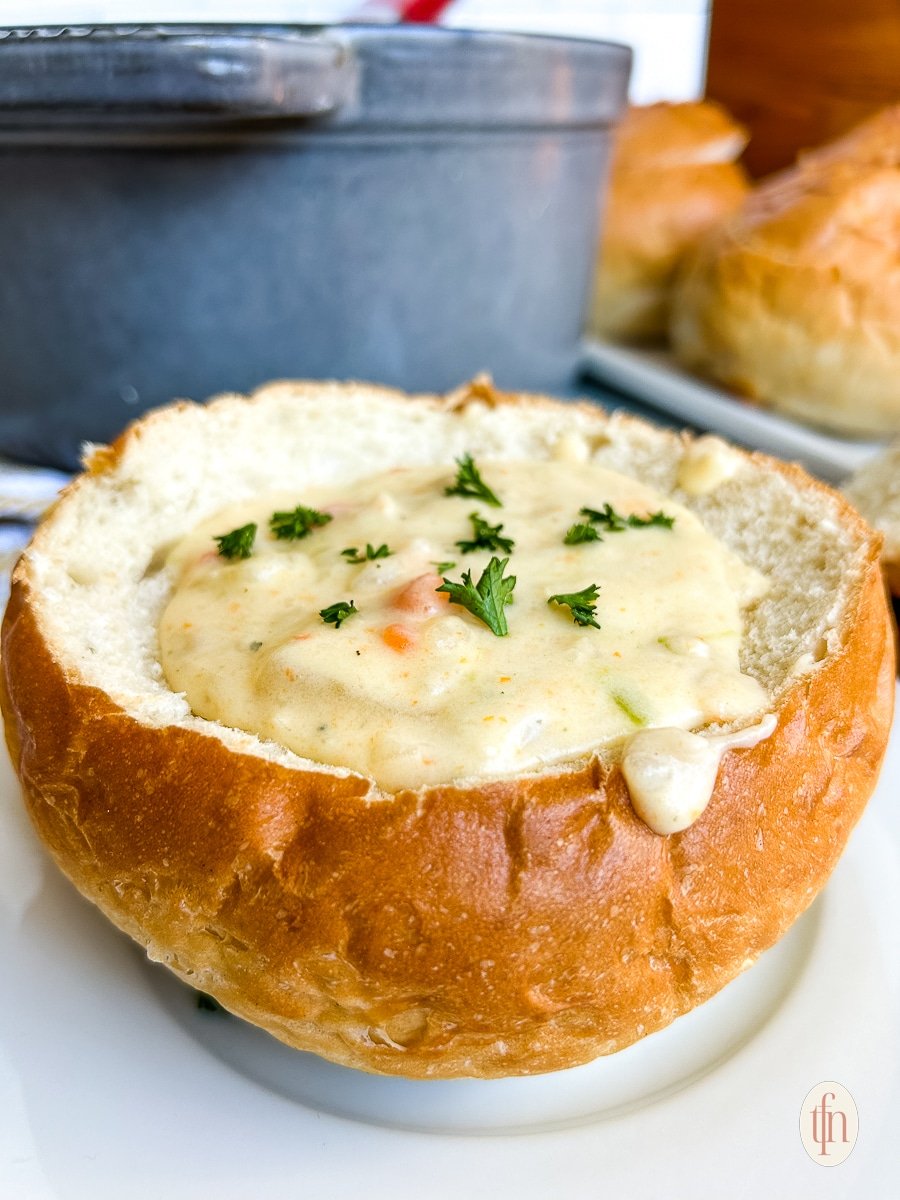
x: 673, y: 176
x: 875, y: 490
x: 793, y: 300
x: 505, y: 922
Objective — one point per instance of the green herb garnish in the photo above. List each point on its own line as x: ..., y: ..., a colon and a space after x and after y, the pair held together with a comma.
x: 485, y: 537
x: 469, y: 483
x: 582, y: 532
x: 255, y: 646
x: 238, y: 543
x: 443, y: 567
x: 298, y: 523
x: 336, y: 614
x: 627, y: 702
x: 657, y: 518
x: 487, y: 598
x: 582, y: 605
x: 353, y: 555
x: 607, y: 518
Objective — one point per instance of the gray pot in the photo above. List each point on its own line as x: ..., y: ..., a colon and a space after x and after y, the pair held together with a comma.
x: 185, y: 210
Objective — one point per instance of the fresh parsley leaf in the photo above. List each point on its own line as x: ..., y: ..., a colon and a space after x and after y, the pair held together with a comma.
x: 297, y: 523
x: 469, y: 483
x: 238, y: 543
x: 657, y: 518
x: 353, y: 555
x: 443, y: 567
x: 581, y: 532
x: 487, y: 598
x: 485, y: 537
x: 336, y: 614
x: 582, y: 605
x: 607, y: 518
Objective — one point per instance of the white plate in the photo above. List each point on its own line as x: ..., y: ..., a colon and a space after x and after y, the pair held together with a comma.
x: 114, y: 1085
x: 653, y: 376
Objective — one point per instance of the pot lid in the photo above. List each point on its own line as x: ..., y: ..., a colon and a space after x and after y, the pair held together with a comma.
x: 408, y: 76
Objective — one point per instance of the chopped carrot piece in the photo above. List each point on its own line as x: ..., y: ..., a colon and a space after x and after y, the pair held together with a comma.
x: 398, y: 637
x: 421, y: 596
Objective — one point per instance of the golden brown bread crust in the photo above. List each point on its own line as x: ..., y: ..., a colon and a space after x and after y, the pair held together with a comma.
x: 508, y: 928
x: 875, y: 141
x: 678, y: 135
x: 794, y: 300
x: 672, y: 178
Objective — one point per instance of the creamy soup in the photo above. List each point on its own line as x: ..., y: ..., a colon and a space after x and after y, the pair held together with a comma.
x: 358, y: 642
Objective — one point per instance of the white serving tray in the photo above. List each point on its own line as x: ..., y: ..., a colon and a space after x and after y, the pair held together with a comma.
x: 653, y: 377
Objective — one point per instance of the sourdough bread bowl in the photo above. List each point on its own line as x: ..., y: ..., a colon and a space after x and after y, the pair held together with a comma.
x: 794, y: 300
x: 875, y: 490
x: 673, y: 176
x: 499, y: 922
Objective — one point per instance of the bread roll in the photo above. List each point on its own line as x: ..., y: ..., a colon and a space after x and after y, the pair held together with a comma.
x: 875, y: 490
x: 488, y: 925
x: 794, y: 301
x: 673, y: 176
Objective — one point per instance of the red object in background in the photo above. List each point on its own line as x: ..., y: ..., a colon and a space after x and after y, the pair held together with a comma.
x: 423, y: 12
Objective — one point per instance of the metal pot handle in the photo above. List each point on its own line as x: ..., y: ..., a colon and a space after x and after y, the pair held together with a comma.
x: 154, y: 73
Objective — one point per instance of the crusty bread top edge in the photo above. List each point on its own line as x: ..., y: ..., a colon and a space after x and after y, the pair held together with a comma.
x: 107, y: 460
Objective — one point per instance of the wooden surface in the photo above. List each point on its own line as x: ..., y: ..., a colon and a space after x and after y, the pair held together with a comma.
x: 799, y: 72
